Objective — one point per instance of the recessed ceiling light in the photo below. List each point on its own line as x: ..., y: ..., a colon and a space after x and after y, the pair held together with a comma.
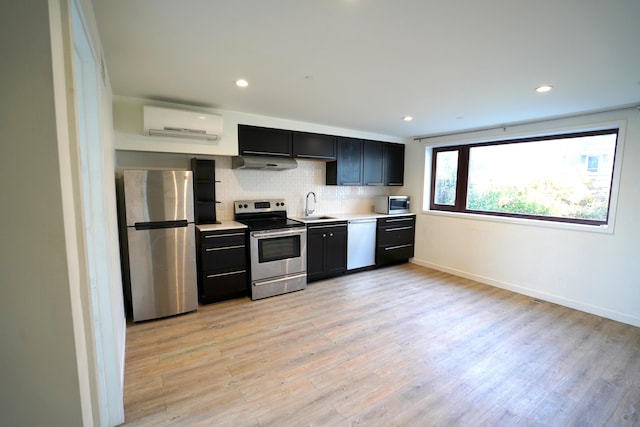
x: 544, y: 88
x: 407, y: 118
x: 242, y: 83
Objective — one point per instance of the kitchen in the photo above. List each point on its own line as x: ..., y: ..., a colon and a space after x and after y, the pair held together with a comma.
x: 302, y: 176
x: 49, y: 308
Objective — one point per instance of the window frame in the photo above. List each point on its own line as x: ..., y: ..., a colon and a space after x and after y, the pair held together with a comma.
x: 463, y: 173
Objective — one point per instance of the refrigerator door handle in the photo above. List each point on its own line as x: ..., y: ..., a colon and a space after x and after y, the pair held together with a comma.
x: 160, y: 224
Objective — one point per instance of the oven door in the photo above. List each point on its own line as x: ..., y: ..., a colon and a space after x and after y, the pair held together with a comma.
x: 277, y: 253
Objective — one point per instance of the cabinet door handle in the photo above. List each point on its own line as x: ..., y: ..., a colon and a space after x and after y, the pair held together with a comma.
x: 315, y: 227
x: 391, y: 248
x: 397, y: 219
x: 362, y: 221
x: 309, y: 156
x: 211, y: 276
x: 215, y: 236
x: 398, y: 229
x: 224, y: 248
x: 267, y: 282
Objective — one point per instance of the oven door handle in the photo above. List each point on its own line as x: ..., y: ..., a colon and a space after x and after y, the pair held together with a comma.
x: 277, y: 233
x: 280, y: 279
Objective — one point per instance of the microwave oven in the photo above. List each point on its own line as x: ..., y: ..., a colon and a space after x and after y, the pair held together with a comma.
x: 392, y: 204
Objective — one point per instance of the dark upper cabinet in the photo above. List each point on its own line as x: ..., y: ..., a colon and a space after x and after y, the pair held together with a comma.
x: 313, y: 146
x: 350, y: 161
x: 366, y: 162
x: 373, y: 162
x: 347, y: 169
x: 260, y: 141
x: 393, y: 164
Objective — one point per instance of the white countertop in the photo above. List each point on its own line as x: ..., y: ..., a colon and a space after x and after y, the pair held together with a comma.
x: 230, y: 224
x: 344, y: 217
x: 224, y: 225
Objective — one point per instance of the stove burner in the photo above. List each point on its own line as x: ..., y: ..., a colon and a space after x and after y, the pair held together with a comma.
x: 269, y: 224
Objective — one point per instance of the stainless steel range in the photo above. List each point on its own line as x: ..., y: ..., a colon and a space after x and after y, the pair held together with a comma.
x: 278, y: 247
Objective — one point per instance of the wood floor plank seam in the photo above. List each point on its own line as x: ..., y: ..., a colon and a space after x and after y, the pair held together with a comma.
x: 398, y: 346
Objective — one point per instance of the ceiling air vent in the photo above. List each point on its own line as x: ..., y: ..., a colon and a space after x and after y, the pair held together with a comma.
x: 182, y: 123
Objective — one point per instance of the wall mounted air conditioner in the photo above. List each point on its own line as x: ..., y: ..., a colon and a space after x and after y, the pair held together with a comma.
x: 181, y: 123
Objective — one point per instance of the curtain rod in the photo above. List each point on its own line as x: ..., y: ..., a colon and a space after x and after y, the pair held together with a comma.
x: 526, y: 122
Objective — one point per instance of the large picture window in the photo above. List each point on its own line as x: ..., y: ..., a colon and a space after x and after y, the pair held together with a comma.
x: 564, y: 177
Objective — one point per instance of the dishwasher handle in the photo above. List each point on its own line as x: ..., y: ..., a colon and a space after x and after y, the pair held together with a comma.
x: 362, y: 221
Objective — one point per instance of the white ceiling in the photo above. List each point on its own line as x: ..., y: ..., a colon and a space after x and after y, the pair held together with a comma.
x: 364, y: 64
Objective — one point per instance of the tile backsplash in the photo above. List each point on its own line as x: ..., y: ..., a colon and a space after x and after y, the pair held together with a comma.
x: 249, y: 184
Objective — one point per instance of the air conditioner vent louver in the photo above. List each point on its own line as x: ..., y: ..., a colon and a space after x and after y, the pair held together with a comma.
x: 174, y: 123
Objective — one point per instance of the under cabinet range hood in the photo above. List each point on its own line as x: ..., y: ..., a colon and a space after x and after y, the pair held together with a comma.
x: 263, y: 162
x: 182, y: 123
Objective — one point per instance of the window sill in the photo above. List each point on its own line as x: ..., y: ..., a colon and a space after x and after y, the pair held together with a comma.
x: 601, y: 229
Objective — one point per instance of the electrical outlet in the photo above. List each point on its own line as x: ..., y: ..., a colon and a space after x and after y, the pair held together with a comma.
x: 221, y: 206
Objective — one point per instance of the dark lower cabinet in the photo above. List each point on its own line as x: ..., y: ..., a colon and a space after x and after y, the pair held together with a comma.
x: 326, y: 250
x: 395, y: 239
x: 222, y: 265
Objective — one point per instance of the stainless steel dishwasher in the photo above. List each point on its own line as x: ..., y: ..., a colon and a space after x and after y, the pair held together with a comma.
x: 361, y: 243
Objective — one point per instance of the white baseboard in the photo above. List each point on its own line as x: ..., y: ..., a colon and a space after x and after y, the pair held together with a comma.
x: 556, y: 299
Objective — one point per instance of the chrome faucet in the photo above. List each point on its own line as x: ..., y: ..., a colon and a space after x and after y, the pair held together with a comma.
x: 308, y: 211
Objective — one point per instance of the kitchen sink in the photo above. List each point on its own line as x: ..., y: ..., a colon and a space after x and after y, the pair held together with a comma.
x: 315, y: 218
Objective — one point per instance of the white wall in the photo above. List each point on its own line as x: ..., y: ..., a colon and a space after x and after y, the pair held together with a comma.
x: 128, y: 125
x: 39, y: 382
x: 594, y: 272
x: 93, y: 158
x: 48, y: 364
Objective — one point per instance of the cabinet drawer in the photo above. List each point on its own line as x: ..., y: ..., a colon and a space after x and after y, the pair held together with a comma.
x: 324, y: 228
x: 224, y: 257
x: 396, y: 221
x: 396, y: 235
x: 222, y: 286
x: 390, y: 254
x: 222, y: 239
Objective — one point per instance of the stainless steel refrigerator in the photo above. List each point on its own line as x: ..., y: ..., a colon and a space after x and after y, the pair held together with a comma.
x: 160, y: 240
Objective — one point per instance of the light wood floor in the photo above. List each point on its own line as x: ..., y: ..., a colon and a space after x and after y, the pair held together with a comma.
x: 399, y: 346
